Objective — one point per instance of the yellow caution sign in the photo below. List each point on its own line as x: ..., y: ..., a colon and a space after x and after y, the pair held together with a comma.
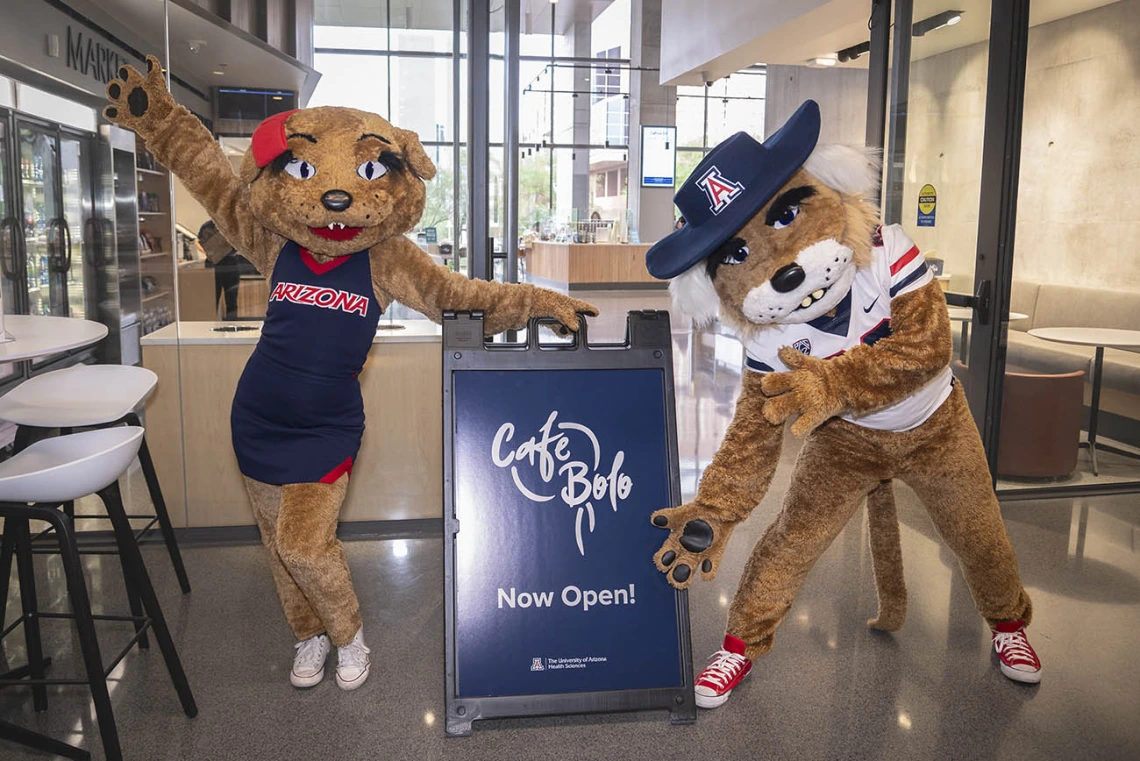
x: 927, y: 203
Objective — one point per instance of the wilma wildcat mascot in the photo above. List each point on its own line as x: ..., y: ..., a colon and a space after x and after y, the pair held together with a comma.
x: 321, y: 206
x: 845, y: 328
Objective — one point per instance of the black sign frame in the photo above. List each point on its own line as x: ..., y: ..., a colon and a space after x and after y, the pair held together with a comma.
x: 647, y: 346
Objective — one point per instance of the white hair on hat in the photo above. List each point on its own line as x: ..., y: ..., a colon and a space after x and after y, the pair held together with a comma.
x: 846, y: 168
x: 693, y: 294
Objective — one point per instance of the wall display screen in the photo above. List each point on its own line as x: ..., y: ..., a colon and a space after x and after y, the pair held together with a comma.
x: 658, y: 156
x: 238, y: 110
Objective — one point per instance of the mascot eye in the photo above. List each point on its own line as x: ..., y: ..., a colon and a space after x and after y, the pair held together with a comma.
x: 787, y: 217
x: 736, y: 255
x: 302, y: 170
x: 372, y: 170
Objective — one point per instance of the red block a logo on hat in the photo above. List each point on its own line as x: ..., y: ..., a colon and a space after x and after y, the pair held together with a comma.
x: 720, y: 190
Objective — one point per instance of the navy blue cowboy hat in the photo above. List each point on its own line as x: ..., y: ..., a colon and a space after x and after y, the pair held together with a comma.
x: 729, y: 186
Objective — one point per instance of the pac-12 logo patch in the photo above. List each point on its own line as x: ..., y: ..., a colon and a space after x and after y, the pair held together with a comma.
x: 536, y: 664
x: 720, y: 190
x: 803, y: 346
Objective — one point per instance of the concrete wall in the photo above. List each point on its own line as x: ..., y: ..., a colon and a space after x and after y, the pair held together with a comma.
x: 1078, y: 214
x: 841, y: 94
x: 650, y: 104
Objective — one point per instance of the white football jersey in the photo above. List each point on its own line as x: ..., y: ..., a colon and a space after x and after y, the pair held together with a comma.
x: 864, y: 316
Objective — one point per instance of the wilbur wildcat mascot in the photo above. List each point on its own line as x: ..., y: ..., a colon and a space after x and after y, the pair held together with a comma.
x: 320, y: 206
x: 845, y: 330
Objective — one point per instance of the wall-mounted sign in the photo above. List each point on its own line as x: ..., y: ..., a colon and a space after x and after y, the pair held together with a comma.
x: 658, y: 156
x: 430, y: 235
x: 927, y: 203
x: 92, y: 58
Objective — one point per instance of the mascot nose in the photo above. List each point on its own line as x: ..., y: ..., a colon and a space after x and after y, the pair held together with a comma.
x: 788, y: 278
x: 336, y: 200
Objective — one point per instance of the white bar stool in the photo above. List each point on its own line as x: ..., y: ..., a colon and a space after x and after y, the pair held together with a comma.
x: 34, y: 484
x: 89, y: 396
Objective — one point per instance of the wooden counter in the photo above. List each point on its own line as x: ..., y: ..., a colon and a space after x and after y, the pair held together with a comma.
x: 399, y: 470
x: 590, y: 266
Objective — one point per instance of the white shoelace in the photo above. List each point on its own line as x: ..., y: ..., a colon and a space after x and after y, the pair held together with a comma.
x: 312, y: 652
x: 722, y: 670
x: 1015, y: 646
x: 353, y: 655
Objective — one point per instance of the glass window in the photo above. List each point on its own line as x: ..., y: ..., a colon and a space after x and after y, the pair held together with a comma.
x: 354, y: 80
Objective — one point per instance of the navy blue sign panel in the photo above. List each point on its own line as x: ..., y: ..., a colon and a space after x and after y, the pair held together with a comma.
x: 556, y: 473
x: 555, y: 456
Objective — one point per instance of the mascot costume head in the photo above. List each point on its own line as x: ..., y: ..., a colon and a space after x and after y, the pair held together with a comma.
x: 847, y: 333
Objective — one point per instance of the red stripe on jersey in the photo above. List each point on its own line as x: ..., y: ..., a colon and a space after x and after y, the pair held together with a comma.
x: 904, y: 260
x: 332, y: 476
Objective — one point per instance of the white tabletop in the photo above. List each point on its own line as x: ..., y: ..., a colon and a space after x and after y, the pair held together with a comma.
x: 1113, y: 337
x: 965, y: 314
x: 35, y: 336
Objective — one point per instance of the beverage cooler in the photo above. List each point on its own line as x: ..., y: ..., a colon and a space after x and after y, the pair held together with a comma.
x: 69, y: 235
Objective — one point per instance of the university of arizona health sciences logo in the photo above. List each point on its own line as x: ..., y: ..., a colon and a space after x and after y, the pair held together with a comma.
x: 536, y: 664
x: 720, y: 190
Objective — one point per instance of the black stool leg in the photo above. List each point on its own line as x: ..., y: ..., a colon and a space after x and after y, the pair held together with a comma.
x: 135, y: 601
x: 160, y: 508
x: 133, y: 562
x: 23, y: 541
x: 23, y: 439
x: 88, y: 642
x: 7, y: 545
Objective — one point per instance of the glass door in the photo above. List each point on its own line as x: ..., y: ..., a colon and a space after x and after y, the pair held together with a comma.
x: 73, y: 271
x: 10, y: 235
x: 44, y: 241
x: 934, y: 156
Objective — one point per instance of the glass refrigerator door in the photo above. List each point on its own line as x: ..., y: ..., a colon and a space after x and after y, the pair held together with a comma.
x: 73, y: 268
x: 9, y: 237
x: 42, y: 238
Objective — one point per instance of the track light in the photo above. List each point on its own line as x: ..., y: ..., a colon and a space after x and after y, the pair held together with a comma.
x: 853, y: 52
x: 937, y: 21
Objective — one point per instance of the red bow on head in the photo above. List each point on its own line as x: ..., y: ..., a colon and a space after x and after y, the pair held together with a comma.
x: 269, y: 138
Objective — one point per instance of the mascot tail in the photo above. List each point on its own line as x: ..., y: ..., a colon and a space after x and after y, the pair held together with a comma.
x: 886, y: 558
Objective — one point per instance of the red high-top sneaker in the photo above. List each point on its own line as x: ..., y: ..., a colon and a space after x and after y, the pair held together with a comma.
x: 727, y: 669
x: 1018, y: 660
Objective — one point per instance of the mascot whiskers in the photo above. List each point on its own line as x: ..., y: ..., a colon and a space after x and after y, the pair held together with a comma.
x: 320, y: 206
x: 847, y: 332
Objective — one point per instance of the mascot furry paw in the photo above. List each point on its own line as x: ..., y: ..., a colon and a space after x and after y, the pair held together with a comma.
x: 320, y: 207
x: 847, y: 334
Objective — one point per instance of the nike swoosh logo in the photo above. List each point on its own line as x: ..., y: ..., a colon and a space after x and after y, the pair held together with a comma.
x: 867, y: 310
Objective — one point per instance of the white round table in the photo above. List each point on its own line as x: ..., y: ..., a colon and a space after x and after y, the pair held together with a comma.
x: 34, y: 336
x: 1100, y: 338
x: 965, y: 315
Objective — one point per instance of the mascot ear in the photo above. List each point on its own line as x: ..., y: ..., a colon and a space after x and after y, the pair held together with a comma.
x: 414, y: 154
x: 249, y: 168
x: 693, y: 294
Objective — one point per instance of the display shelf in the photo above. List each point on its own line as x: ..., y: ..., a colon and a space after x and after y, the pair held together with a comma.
x: 153, y: 172
x: 155, y: 255
x: 155, y: 296
x: 152, y: 213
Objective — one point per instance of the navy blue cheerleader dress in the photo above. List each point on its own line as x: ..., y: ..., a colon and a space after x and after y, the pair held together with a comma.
x: 298, y: 414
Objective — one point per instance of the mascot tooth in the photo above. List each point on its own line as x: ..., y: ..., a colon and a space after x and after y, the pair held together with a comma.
x: 847, y: 333
x: 320, y: 206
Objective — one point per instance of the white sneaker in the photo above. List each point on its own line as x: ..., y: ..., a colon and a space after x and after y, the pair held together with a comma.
x: 352, y: 663
x: 309, y: 662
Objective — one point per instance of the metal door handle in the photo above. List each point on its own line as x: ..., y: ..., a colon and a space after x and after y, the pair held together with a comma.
x: 89, y: 244
x: 67, y: 244
x: 9, y: 227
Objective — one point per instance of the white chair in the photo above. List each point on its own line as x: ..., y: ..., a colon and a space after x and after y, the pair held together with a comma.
x: 90, y: 396
x: 34, y: 484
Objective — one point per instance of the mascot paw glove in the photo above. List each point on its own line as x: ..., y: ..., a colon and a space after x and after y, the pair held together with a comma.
x: 697, y: 540
x: 805, y: 391
x: 562, y: 308
x: 139, y: 102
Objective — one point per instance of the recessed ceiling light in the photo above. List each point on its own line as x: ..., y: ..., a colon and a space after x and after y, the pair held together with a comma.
x: 219, y: 72
x: 823, y: 62
x: 278, y: 97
